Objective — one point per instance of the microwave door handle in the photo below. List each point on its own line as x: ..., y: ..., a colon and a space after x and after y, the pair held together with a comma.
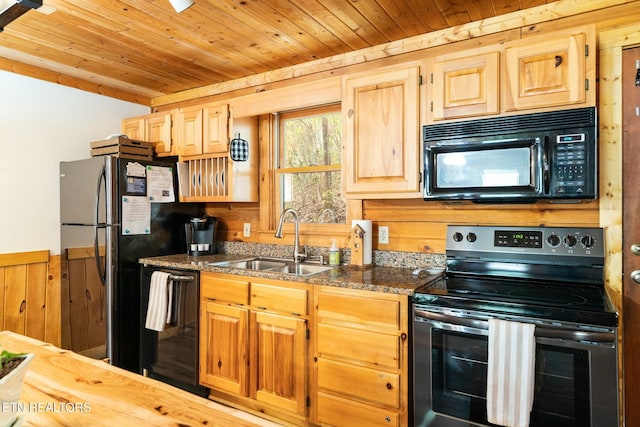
x: 546, y: 167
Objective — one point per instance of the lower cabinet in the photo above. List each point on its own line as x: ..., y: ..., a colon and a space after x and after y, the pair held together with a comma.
x: 280, y: 355
x: 254, y: 344
x: 305, y: 355
x: 224, y: 347
x: 361, y: 358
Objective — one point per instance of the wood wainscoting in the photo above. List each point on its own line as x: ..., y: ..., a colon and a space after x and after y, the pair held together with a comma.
x: 30, y: 295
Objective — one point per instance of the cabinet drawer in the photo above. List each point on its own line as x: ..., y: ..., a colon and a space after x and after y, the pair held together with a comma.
x: 277, y: 298
x: 364, y: 346
x: 372, y: 385
x: 223, y: 289
x: 337, y: 411
x: 359, y: 312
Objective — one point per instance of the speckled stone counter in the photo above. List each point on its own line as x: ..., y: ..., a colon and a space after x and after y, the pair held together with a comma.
x: 395, y: 280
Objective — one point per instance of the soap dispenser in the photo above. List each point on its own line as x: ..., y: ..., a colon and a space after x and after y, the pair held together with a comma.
x: 334, y: 253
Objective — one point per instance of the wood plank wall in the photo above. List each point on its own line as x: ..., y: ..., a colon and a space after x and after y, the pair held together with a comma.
x: 30, y: 295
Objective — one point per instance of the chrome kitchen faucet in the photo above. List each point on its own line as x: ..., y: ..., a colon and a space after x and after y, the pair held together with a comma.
x: 297, y: 256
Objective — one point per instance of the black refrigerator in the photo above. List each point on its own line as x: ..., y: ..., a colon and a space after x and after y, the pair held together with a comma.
x: 113, y: 211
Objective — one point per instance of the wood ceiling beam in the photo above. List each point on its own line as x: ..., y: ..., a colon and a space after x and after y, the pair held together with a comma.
x: 74, y: 82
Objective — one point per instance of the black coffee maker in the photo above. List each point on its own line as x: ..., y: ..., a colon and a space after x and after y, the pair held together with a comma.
x: 201, y: 236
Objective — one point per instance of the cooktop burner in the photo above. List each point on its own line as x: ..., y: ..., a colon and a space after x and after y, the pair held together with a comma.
x: 537, y: 272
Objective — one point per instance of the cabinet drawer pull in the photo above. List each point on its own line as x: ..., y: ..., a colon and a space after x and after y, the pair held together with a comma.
x: 389, y: 386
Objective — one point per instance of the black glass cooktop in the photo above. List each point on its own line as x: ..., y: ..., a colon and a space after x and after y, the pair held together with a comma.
x: 537, y: 299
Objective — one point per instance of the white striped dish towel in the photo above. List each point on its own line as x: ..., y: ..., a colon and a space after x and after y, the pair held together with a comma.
x: 160, y: 296
x: 510, y: 373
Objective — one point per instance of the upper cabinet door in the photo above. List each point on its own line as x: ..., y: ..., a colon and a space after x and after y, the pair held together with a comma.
x: 466, y: 87
x: 381, y: 143
x: 135, y: 127
x: 546, y: 74
x: 215, y: 129
x: 189, y: 124
x: 159, y: 132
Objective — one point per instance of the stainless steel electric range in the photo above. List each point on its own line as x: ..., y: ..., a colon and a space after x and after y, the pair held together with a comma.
x: 547, y: 276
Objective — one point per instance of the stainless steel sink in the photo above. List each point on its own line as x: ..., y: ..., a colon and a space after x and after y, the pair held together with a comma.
x: 302, y: 269
x: 274, y: 265
x: 256, y: 264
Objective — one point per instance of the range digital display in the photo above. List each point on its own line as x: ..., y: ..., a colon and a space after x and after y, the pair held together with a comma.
x: 517, y: 239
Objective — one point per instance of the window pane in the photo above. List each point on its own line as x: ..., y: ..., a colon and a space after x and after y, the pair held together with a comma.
x: 311, y: 141
x: 315, y: 195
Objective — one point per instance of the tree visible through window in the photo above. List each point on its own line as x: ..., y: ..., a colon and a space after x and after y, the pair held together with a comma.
x: 308, y: 170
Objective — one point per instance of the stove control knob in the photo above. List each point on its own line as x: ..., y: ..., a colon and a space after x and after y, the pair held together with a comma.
x: 471, y: 237
x: 635, y: 276
x: 570, y: 240
x: 553, y: 240
x: 457, y: 237
x: 588, y: 241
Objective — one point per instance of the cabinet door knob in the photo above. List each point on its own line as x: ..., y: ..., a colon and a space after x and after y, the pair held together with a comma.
x: 635, y: 276
x: 635, y: 249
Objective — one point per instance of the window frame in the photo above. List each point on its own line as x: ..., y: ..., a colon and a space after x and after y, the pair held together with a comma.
x: 312, y: 230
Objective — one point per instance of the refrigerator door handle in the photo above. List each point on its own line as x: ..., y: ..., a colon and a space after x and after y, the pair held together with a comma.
x: 96, y: 253
x: 102, y: 177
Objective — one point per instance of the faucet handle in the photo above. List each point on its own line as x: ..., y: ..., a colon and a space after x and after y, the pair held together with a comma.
x: 301, y: 256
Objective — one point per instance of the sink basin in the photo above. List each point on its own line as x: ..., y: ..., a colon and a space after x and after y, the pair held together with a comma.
x: 274, y: 265
x: 256, y: 264
x: 302, y: 269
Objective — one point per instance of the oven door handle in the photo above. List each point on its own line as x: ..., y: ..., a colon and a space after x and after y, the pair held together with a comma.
x: 540, y: 331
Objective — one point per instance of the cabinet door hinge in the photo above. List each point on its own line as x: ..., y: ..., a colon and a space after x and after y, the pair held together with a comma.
x: 586, y: 84
x: 586, y: 50
x: 431, y: 78
x: 308, y: 334
x: 308, y: 402
x: 431, y: 106
x: 228, y: 114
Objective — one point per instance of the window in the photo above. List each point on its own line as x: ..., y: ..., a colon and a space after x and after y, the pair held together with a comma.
x: 307, y: 173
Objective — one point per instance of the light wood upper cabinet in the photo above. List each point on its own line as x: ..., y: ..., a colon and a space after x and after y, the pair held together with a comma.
x: 158, y: 128
x: 548, y: 73
x: 189, y: 131
x: 135, y: 128
x: 465, y: 86
x: 381, y: 138
x: 216, y: 177
x: 203, y: 129
x: 215, y: 128
x: 155, y: 128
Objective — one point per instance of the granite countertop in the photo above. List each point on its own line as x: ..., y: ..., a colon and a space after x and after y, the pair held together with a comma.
x: 396, y: 280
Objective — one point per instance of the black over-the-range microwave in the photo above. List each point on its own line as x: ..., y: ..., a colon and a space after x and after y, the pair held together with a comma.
x: 514, y: 159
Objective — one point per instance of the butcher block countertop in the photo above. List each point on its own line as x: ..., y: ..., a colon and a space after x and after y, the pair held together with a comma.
x: 63, y: 388
x: 394, y: 280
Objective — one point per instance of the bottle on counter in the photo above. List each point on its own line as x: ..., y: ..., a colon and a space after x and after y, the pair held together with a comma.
x: 334, y: 253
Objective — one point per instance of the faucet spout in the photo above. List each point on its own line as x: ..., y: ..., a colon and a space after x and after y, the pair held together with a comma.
x: 297, y: 255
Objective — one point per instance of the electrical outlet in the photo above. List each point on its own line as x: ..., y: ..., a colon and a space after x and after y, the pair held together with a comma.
x: 247, y: 229
x: 383, y: 235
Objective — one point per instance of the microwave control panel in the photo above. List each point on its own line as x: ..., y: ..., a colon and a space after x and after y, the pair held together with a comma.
x: 570, y: 166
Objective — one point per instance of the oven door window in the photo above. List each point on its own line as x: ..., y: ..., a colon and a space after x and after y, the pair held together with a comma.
x: 459, y: 379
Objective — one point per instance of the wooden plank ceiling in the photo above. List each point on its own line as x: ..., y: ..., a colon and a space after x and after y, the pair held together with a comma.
x: 140, y: 49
